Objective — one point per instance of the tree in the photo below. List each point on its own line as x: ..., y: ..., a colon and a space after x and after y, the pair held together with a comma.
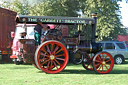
x: 108, y: 24
x: 5, y: 4
x: 21, y: 7
x: 56, y: 8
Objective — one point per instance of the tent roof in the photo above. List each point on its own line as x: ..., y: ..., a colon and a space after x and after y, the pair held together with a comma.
x: 123, y: 38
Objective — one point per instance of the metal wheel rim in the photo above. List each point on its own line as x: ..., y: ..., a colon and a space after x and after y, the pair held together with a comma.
x: 105, y: 63
x: 51, y: 62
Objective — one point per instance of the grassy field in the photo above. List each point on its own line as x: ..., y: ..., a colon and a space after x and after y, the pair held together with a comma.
x: 11, y: 74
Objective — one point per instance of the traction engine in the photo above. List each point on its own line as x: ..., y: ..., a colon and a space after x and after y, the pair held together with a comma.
x: 52, y: 55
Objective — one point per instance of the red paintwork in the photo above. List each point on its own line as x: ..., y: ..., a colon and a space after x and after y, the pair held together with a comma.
x: 127, y: 46
x: 51, y: 64
x: 7, y: 25
x: 124, y: 39
x: 51, y: 26
x: 103, y: 64
x: 13, y: 56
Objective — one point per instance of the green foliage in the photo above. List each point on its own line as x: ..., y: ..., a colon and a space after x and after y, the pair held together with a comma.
x: 21, y: 7
x: 5, y: 4
x: 56, y: 8
x: 108, y: 24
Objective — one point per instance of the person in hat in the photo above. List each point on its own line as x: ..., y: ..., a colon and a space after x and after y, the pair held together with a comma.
x: 37, y: 33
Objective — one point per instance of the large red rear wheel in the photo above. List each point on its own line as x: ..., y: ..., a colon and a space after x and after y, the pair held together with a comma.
x: 51, y: 57
x: 103, y: 63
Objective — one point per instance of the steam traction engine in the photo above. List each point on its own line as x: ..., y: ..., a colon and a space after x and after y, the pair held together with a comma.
x: 52, y: 55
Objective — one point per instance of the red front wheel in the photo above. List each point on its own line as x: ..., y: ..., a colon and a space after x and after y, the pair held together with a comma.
x: 103, y: 63
x: 51, y: 57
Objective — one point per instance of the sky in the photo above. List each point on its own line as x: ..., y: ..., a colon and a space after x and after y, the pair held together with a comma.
x: 124, y: 13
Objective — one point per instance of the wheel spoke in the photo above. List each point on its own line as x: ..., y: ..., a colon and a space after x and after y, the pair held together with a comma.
x: 88, y: 57
x: 55, y: 65
x: 106, y: 66
x: 100, y: 67
x: 61, y: 59
x: 52, y: 47
x: 57, y: 62
x: 48, y: 65
x: 97, y: 65
x: 57, y: 47
x: 42, y: 59
x: 99, y: 57
x: 107, y: 60
x: 59, y: 51
x: 90, y: 63
x: 51, y: 66
x: 48, y: 49
x: 87, y: 65
x: 45, y: 62
x: 59, y: 55
x: 44, y: 51
x: 43, y: 54
x: 97, y: 61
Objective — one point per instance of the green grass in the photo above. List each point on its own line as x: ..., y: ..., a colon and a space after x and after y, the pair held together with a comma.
x: 11, y: 74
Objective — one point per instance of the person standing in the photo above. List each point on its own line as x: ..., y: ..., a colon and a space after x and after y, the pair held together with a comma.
x: 44, y: 32
x: 37, y: 33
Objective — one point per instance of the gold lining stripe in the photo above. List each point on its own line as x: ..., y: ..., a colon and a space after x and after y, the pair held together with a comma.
x: 94, y: 15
